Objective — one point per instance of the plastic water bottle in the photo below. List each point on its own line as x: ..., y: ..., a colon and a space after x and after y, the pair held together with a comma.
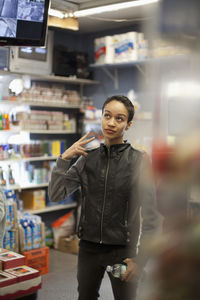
x: 117, y: 270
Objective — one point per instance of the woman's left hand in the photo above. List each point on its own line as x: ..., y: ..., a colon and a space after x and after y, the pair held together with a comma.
x: 132, y: 270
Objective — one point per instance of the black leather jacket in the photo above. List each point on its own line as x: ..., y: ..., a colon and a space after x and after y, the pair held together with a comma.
x: 115, y: 185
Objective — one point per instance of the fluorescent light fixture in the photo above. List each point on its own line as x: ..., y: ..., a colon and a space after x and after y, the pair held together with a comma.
x: 56, y: 13
x: 112, y: 7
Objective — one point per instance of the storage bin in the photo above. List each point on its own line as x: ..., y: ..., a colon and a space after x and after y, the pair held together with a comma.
x: 38, y: 259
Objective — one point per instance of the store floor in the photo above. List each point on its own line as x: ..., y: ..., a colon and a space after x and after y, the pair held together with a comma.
x: 61, y: 284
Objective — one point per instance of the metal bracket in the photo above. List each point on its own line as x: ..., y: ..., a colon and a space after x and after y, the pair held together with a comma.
x: 141, y: 70
x: 113, y: 76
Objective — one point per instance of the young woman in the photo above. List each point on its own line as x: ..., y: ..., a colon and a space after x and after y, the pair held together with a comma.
x: 114, y: 187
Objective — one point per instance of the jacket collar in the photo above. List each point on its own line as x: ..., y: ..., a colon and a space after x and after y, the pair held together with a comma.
x: 115, y: 149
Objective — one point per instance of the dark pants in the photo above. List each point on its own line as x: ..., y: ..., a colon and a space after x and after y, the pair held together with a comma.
x: 91, y: 269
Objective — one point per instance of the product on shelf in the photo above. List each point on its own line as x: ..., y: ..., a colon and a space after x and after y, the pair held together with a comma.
x: 33, y: 199
x: 162, y: 48
x: 11, y: 180
x: 49, y: 241
x: 2, y: 179
x: 129, y: 46
x: 11, y: 236
x: 50, y: 94
x: 45, y: 120
x: 31, y: 232
x: 4, y: 121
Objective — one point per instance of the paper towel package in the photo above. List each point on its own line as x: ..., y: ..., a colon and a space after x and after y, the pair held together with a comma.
x: 132, y: 38
x: 103, y: 50
x: 125, y: 47
x: 119, y: 48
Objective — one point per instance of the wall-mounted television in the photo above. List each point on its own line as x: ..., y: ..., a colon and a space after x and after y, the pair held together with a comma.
x: 23, y: 22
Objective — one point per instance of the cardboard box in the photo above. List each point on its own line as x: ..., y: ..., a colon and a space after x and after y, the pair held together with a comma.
x: 6, y: 279
x: 23, y: 273
x: 34, y: 199
x: 11, y: 259
x: 68, y: 244
x: 13, y: 289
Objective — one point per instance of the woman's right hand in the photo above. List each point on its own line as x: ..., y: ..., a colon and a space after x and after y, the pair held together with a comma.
x: 77, y: 148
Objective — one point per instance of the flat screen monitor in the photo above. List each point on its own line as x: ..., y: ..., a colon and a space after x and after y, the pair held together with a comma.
x: 23, y: 22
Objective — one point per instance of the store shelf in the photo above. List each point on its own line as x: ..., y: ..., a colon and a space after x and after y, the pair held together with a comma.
x: 38, y: 131
x: 24, y: 159
x: 48, y: 131
x: 51, y: 208
x: 112, y: 69
x: 34, y: 185
x: 92, y: 122
x: 12, y: 187
x: 40, y: 103
x: 26, y: 186
x: 141, y: 61
x: 118, y: 65
x: 17, y: 130
x: 52, y: 78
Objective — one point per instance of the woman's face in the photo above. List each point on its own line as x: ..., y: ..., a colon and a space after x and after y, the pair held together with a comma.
x: 114, y: 122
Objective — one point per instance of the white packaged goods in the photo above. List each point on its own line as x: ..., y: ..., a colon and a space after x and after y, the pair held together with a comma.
x: 143, y: 50
x: 117, y: 50
x: 126, y: 47
x: 103, y: 50
x: 132, y: 43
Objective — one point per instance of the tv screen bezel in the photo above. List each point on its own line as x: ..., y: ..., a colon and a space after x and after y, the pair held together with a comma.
x: 7, y: 41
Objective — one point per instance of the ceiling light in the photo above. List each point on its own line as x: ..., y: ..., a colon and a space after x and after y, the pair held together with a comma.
x: 112, y: 7
x: 56, y: 13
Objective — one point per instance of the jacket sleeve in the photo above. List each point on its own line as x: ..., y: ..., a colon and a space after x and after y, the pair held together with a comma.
x: 150, y: 218
x: 65, y: 179
x: 2, y: 215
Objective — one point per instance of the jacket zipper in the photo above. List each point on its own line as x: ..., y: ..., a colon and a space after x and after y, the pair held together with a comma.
x: 104, y: 200
x: 126, y: 215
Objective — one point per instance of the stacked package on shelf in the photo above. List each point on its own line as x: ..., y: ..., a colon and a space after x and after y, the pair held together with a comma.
x: 31, y: 232
x: 16, y: 279
x: 162, y: 48
x: 130, y: 46
x: 143, y: 47
x: 32, y: 242
x: 10, y: 240
x: 125, y: 47
x: 50, y: 94
x: 103, y: 50
x: 45, y: 120
x: 34, y: 199
x: 28, y: 237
